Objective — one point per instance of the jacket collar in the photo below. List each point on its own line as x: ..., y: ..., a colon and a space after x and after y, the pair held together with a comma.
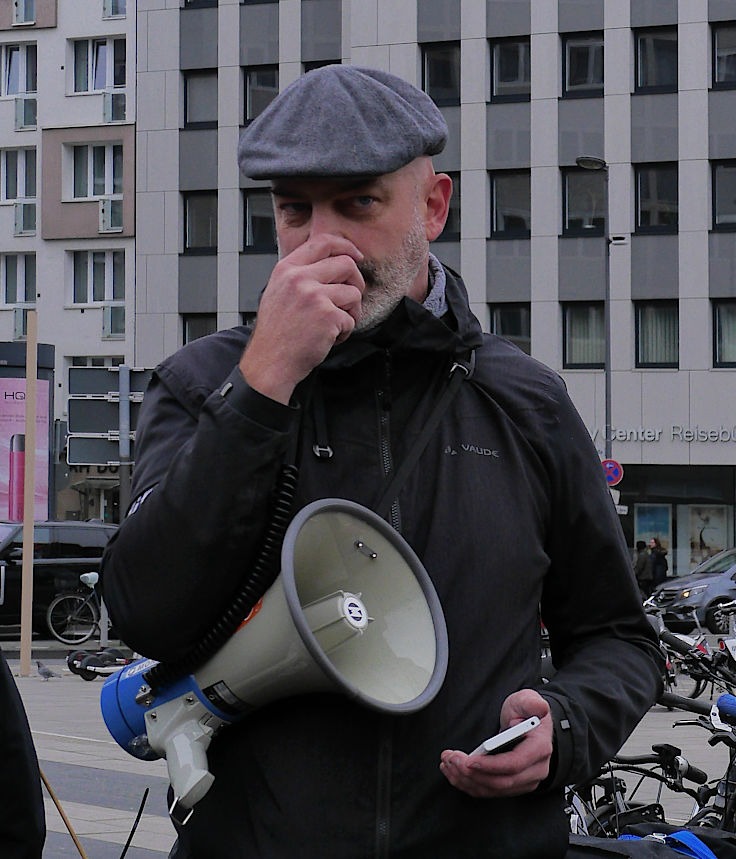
x: 412, y: 327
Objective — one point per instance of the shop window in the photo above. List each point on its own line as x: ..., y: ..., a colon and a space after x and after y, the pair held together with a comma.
x: 200, y: 222
x: 511, y: 204
x: 198, y: 325
x: 200, y: 99
x: 261, y: 88
x: 260, y: 226
x: 99, y: 64
x: 441, y: 72
x: 656, y: 198
x: 511, y: 69
x: 724, y: 56
x: 657, y: 334
x: 513, y: 322
x: 583, y: 202
x: 451, y: 230
x: 656, y: 60
x: 724, y: 195
x: 583, y: 335
x: 583, y: 65
x: 724, y: 333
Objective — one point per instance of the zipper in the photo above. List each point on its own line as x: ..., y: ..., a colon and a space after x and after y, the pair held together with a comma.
x: 383, y: 788
x: 384, y: 434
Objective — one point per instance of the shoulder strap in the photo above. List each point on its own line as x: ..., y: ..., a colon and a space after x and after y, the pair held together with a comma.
x: 461, y: 370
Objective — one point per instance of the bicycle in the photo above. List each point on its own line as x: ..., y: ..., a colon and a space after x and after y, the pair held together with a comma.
x: 73, y: 617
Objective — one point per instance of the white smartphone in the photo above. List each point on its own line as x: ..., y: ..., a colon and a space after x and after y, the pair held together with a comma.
x: 506, y: 740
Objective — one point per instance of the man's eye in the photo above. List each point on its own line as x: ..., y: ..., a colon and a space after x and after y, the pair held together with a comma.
x: 362, y: 201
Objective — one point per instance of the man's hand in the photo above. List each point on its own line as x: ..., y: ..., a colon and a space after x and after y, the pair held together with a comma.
x: 312, y: 301
x: 511, y: 773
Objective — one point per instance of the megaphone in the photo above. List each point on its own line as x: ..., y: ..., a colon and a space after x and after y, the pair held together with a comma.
x: 353, y: 610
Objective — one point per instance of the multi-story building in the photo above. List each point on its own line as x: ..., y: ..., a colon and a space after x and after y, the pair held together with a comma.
x: 553, y: 254
x: 67, y: 194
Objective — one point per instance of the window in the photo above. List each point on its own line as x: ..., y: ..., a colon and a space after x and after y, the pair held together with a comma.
x: 510, y: 70
x: 583, y: 335
x: 24, y: 11
x: 311, y: 65
x: 200, y: 222
x: 198, y: 325
x: 261, y: 88
x: 656, y: 198
x: 200, y: 99
x: 98, y: 277
x: 657, y: 334
x: 20, y: 69
x: 656, y: 60
x: 97, y: 360
x: 583, y: 202
x: 511, y: 204
x: 260, y: 228
x: 98, y: 170
x: 99, y: 64
x: 113, y: 8
x: 724, y: 195
x: 195, y: 4
x: 441, y: 72
x: 513, y: 321
x: 18, y: 174
x: 18, y: 274
x: 724, y: 56
x: 724, y: 333
x: 451, y: 230
x: 583, y: 65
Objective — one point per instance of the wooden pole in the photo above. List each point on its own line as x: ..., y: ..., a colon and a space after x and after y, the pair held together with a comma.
x: 29, y: 484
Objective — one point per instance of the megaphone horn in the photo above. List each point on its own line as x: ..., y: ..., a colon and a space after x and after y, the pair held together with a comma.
x: 353, y: 611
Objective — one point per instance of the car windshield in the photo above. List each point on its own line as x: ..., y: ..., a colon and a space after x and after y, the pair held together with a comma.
x: 718, y: 563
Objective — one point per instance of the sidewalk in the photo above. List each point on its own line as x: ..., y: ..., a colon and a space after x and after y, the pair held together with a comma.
x: 99, y: 786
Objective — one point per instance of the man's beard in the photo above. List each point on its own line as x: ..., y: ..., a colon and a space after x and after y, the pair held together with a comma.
x: 388, y: 280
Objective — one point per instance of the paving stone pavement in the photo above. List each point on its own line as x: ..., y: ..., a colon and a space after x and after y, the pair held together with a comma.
x: 100, y: 786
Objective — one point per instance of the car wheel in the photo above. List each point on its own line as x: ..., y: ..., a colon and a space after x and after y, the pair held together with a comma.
x: 716, y: 620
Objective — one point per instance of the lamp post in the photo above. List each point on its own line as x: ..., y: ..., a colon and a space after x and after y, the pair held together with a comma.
x: 591, y: 162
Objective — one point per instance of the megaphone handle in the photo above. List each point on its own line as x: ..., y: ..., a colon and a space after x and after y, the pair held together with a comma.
x: 186, y: 759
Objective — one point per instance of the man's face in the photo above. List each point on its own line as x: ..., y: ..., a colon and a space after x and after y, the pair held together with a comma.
x: 384, y: 217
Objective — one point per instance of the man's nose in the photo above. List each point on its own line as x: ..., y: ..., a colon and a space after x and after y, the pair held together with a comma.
x: 325, y: 221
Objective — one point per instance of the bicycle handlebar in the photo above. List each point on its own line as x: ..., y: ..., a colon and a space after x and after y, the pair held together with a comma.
x: 692, y: 705
x: 677, y: 644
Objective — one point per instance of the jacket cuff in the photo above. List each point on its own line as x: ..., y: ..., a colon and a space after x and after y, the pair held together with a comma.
x: 562, y: 747
x: 248, y: 402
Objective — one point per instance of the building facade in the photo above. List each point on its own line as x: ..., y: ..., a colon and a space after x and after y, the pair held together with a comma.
x: 67, y: 199
x: 553, y: 253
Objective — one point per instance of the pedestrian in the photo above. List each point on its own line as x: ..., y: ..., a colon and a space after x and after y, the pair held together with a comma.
x: 643, y: 569
x: 22, y: 818
x: 658, y: 561
x: 358, y: 332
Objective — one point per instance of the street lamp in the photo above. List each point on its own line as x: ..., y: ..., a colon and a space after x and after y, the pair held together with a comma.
x: 591, y: 162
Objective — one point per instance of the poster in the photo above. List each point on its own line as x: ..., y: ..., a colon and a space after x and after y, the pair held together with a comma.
x: 653, y: 520
x: 708, y: 531
x: 13, y: 453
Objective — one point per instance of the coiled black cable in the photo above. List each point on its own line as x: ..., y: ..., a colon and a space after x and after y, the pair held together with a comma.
x: 266, y: 568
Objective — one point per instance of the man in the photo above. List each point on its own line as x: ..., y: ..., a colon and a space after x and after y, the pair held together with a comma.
x: 357, y: 331
x: 643, y: 569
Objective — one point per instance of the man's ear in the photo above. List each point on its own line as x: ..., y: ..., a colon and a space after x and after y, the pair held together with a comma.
x: 438, y: 196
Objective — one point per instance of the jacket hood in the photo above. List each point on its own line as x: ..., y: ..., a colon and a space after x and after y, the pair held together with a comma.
x: 412, y: 327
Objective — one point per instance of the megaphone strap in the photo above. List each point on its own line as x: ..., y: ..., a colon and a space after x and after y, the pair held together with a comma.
x: 461, y: 370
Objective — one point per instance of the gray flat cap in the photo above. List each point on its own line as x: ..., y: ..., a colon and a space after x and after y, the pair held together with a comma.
x: 342, y: 121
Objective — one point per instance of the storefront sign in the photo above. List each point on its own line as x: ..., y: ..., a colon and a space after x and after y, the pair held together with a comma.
x: 675, y: 432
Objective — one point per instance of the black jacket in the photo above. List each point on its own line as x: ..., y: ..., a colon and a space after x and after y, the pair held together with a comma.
x: 508, y: 510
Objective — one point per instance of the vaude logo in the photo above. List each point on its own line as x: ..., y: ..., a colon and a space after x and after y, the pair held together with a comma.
x: 472, y: 448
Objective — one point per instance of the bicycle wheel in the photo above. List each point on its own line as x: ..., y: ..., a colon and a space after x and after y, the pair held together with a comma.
x: 71, y: 618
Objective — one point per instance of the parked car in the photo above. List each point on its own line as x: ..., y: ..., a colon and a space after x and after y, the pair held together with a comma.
x: 61, y: 552
x: 707, y: 586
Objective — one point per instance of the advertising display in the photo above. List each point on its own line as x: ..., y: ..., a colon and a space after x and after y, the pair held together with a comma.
x: 13, y: 449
